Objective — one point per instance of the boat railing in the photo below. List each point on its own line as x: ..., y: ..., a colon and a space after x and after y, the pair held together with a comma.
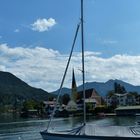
x: 74, y: 131
x: 135, y: 129
x: 96, y: 130
x: 101, y: 130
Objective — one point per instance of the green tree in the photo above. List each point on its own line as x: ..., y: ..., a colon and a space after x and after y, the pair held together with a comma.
x: 118, y: 88
x: 65, y: 99
x: 29, y: 104
x: 110, y: 93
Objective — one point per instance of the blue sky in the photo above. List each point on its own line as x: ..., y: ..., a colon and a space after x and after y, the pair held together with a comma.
x: 36, y: 36
x: 107, y: 23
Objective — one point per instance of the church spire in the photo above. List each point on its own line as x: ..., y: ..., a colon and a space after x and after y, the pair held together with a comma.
x: 74, y: 87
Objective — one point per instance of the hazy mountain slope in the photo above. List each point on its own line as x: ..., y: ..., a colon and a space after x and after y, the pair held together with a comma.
x: 103, y: 88
x: 12, y: 88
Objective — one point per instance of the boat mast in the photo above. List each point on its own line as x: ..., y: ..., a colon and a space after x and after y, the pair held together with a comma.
x: 83, y: 66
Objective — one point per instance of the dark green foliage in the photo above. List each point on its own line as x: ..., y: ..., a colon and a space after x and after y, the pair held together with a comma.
x: 29, y: 105
x: 119, y: 88
x: 51, y: 98
x: 65, y: 99
x: 115, y: 87
x: 14, y: 91
x: 106, y: 109
x: 99, y: 109
x: 134, y: 93
x: 110, y: 93
x: 32, y: 108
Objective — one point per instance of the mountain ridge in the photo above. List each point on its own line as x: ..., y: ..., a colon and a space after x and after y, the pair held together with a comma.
x: 103, y: 87
x: 12, y: 88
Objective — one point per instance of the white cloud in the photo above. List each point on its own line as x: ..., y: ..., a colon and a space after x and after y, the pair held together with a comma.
x: 42, y: 25
x: 43, y: 68
x: 16, y: 30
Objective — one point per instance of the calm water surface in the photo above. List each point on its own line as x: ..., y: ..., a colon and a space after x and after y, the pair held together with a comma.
x: 15, y: 128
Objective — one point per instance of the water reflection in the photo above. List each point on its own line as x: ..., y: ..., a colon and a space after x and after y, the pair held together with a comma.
x: 15, y: 128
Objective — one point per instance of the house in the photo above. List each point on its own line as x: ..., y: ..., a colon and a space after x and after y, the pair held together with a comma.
x: 31, y: 113
x: 92, y: 98
x: 71, y: 106
x: 125, y: 99
x: 49, y: 106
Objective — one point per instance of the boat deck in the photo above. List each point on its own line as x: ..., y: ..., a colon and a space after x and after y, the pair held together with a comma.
x: 123, y: 131
x: 93, y: 130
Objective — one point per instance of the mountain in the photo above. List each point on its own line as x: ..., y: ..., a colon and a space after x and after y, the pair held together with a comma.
x: 12, y: 88
x: 103, y: 88
x: 64, y: 91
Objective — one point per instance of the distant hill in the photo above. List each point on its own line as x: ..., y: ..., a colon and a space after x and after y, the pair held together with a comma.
x: 64, y: 91
x: 103, y: 88
x: 12, y: 88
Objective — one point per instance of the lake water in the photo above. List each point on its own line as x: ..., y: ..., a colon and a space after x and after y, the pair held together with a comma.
x: 15, y: 128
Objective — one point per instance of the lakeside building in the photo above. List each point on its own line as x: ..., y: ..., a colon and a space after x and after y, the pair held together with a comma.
x: 75, y: 104
x: 92, y: 98
x: 31, y: 113
x: 128, y: 110
x: 117, y: 99
x: 72, y: 105
x: 49, y: 106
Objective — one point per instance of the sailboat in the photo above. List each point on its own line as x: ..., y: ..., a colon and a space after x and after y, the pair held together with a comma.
x: 87, y: 131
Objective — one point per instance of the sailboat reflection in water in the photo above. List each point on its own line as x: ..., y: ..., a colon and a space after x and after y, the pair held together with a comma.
x: 87, y: 131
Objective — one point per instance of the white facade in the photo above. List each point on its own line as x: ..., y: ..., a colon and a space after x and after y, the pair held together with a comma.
x: 121, y: 99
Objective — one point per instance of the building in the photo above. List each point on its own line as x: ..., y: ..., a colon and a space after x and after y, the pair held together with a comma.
x: 92, y: 98
x: 72, y: 106
x: 128, y: 110
x: 50, y: 105
x: 125, y: 99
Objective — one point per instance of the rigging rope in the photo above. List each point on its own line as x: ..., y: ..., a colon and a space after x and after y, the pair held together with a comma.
x: 63, y: 79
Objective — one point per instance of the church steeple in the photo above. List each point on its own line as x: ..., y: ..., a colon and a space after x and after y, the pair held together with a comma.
x: 74, y: 87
